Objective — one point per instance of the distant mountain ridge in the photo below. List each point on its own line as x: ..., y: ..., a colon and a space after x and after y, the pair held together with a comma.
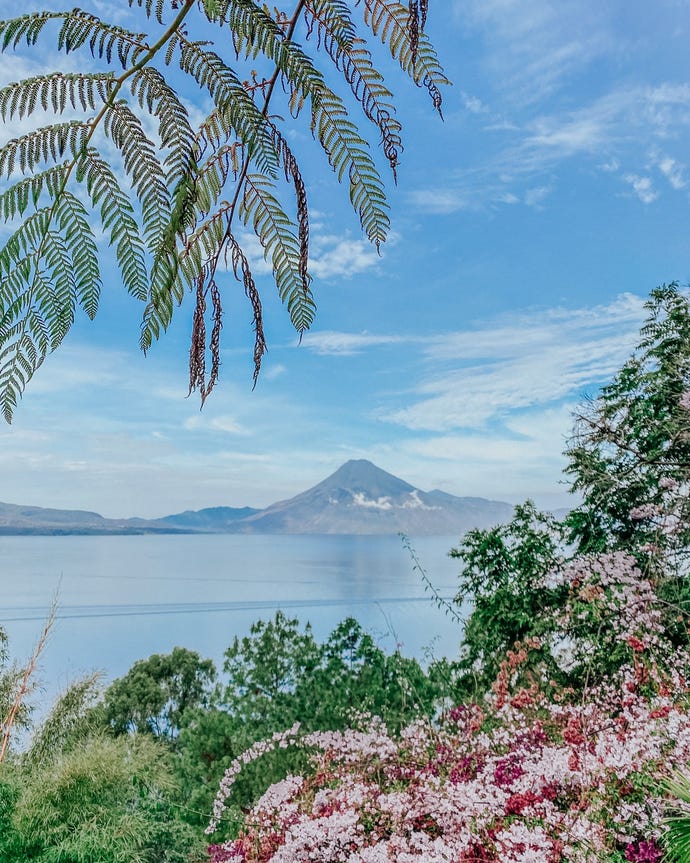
x: 358, y: 498
x: 361, y: 498
x: 36, y: 520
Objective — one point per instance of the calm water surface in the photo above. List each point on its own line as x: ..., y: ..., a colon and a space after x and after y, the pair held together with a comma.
x: 122, y: 598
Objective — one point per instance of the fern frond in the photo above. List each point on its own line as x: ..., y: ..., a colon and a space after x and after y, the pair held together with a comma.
x: 26, y: 238
x: 117, y: 217
x: 348, y: 156
x: 213, y: 174
x: 346, y: 151
x: 25, y: 27
x: 260, y: 209
x: 205, y: 244
x: 390, y: 21
x: 150, y: 9
x: 181, y: 224
x: 140, y: 163
x: 104, y: 39
x: 235, y: 110
x: 23, y: 347
x: 198, y: 346
x: 54, y: 92
x: 15, y: 200
x: 292, y: 173
x: 243, y: 273
x: 14, y: 277
x: 56, y: 288
x: 152, y: 91
x: 35, y: 320
x: 80, y: 242
x: 47, y: 144
x: 336, y: 33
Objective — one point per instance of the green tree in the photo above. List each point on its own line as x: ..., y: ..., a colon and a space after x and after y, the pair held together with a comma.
x: 105, y: 800
x: 278, y: 675
x: 156, y: 693
x: 265, y: 670
x: 196, y: 185
x: 629, y: 459
x: 629, y: 456
x: 504, y: 577
x: 78, y: 795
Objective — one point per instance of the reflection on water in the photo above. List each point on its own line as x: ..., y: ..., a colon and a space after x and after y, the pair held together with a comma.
x: 123, y: 598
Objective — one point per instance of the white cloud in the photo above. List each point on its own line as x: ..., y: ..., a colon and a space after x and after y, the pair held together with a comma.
x: 533, y: 46
x: 534, y: 197
x: 441, y: 201
x: 472, y: 103
x: 523, y: 458
x: 271, y: 372
x: 535, y: 360
x: 332, y: 342
x: 642, y: 187
x: 613, y: 132
x: 673, y: 172
x: 610, y: 167
x: 343, y: 257
x: 223, y: 423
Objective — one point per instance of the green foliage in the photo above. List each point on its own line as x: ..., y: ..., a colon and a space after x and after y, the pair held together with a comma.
x: 75, y: 795
x: 278, y: 675
x: 103, y: 800
x: 677, y: 839
x: 156, y: 693
x: 629, y: 459
x: 504, y: 577
x: 629, y: 456
x: 66, y: 724
x: 175, y: 227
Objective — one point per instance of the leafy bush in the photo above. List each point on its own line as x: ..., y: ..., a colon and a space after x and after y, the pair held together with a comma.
x: 532, y: 772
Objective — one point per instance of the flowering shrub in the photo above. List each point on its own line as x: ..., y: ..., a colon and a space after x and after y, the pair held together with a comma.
x: 533, y: 774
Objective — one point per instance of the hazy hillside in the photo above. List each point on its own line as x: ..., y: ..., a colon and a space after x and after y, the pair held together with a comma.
x: 358, y: 498
x: 361, y: 498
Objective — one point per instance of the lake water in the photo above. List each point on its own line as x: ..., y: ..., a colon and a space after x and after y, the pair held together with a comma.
x: 122, y: 598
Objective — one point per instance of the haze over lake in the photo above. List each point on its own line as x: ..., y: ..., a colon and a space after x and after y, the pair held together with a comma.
x: 122, y: 598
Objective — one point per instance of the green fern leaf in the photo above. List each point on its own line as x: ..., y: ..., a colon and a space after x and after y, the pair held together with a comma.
x: 260, y: 209
x: 25, y: 27
x: 235, y: 110
x: 389, y: 21
x: 117, y: 217
x: 346, y: 151
x: 15, y: 200
x: 138, y: 152
x: 72, y: 217
x: 47, y: 144
x: 103, y: 39
x: 336, y: 33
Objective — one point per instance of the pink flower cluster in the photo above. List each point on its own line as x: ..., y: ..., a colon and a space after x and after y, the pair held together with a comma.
x: 611, y: 591
x: 530, y: 775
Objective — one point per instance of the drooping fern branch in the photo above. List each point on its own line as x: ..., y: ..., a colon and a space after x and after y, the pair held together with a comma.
x: 112, y: 150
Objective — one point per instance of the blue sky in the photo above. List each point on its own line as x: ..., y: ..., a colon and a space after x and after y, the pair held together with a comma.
x: 527, y: 230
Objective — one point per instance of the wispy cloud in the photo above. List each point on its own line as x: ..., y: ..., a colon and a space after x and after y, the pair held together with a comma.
x: 223, y: 423
x: 332, y: 342
x: 673, y: 171
x: 526, y: 453
x: 534, y: 46
x: 441, y: 201
x: 478, y: 376
x: 642, y: 187
x: 342, y: 257
x: 613, y: 133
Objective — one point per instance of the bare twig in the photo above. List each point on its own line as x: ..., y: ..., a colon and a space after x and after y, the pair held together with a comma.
x: 8, y: 723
